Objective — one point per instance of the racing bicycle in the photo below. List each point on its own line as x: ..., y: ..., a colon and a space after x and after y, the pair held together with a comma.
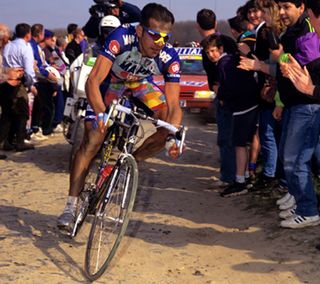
x: 111, y: 198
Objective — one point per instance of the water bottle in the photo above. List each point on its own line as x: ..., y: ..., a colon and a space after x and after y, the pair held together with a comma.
x: 105, y: 172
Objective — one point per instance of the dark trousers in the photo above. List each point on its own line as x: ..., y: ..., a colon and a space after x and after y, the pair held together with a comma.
x: 43, y: 107
x: 59, y: 107
x: 15, y: 112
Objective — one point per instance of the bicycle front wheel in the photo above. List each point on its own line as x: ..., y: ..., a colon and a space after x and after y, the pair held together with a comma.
x: 112, y: 217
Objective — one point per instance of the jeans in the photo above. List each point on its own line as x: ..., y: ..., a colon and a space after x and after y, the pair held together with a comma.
x: 299, y: 142
x: 268, y: 141
x: 224, y: 141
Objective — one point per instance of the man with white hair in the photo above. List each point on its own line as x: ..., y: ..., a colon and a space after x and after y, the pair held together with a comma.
x: 4, y: 37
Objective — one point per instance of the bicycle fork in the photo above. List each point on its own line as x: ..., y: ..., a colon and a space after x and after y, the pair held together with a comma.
x: 120, y: 176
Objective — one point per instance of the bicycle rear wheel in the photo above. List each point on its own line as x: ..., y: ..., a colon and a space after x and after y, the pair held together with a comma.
x: 112, y: 217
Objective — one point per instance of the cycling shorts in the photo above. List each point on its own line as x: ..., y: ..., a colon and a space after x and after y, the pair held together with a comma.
x: 147, y: 92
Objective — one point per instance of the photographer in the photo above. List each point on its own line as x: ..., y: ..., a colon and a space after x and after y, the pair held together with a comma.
x: 126, y: 12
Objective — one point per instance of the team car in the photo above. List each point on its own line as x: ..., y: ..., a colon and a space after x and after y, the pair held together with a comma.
x: 194, y: 92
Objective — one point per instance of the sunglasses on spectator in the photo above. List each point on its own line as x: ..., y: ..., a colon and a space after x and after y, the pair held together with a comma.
x: 157, y: 37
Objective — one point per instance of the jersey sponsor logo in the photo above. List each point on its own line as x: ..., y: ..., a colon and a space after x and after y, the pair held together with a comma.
x: 165, y: 57
x: 128, y: 39
x: 114, y: 46
x: 134, y: 68
x: 174, y: 68
x: 129, y: 76
x: 189, y: 50
x: 192, y: 83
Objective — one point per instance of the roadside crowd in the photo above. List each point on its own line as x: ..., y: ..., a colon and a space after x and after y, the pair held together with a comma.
x: 267, y: 98
x: 35, y: 77
x: 267, y: 95
x: 35, y: 83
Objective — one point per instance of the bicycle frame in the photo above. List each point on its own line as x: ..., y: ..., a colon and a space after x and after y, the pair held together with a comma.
x: 137, y: 115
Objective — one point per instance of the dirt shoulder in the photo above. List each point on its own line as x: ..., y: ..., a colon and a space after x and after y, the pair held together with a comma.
x: 182, y: 231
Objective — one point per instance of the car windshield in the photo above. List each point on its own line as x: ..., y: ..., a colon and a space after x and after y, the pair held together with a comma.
x: 192, y: 67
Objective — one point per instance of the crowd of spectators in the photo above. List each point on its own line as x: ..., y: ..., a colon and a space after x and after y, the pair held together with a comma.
x: 32, y: 102
x: 35, y: 77
x: 269, y: 112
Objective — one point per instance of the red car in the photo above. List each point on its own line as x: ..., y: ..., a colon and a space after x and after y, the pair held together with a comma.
x: 194, y: 93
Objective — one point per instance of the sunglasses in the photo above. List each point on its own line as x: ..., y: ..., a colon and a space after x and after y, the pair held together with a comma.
x: 157, y: 37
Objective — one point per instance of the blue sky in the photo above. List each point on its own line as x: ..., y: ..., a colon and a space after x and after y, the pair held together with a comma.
x: 58, y: 13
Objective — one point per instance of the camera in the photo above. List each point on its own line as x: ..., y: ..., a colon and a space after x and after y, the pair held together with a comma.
x: 102, y: 7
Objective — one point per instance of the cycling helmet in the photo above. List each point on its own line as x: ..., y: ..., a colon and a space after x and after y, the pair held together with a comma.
x: 108, y: 23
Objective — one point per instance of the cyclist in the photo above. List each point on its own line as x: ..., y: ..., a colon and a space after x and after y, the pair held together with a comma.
x: 131, y: 56
x: 106, y: 26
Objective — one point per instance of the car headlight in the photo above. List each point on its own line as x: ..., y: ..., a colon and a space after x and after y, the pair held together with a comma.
x: 204, y: 95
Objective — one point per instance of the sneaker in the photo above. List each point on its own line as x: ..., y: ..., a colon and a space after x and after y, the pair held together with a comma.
x: 288, y: 204
x: 66, y: 221
x: 250, y: 181
x: 264, y: 182
x: 297, y: 221
x: 288, y: 213
x: 234, y: 190
x: 281, y: 188
x: 38, y: 136
x: 58, y: 129
x: 284, y: 199
x: 220, y: 184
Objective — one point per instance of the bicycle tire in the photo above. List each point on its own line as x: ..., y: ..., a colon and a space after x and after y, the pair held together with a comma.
x: 104, y: 222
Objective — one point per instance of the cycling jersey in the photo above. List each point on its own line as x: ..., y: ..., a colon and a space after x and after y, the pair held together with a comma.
x: 130, y: 70
x: 122, y: 48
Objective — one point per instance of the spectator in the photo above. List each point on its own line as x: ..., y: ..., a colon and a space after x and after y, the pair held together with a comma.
x: 4, y: 38
x: 207, y: 24
x: 71, y: 29
x: 17, y: 54
x: 238, y: 27
x: 73, y: 49
x: 54, y: 59
x: 238, y: 91
x: 298, y: 141
x: 43, y: 107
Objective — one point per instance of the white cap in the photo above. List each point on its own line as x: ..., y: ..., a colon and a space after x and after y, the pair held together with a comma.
x: 109, y: 21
